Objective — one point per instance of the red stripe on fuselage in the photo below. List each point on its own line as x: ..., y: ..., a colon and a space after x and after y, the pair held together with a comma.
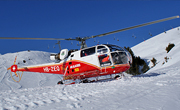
x: 76, y: 69
x: 73, y: 65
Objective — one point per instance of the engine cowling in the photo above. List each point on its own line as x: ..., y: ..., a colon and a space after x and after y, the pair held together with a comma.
x: 55, y: 57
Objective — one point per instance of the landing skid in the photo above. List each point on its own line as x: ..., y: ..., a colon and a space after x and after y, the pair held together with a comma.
x: 91, y: 80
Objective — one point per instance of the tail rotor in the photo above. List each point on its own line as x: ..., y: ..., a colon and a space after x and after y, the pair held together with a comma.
x: 14, y: 69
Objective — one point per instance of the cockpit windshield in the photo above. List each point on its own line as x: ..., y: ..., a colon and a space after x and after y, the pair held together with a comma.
x: 119, y: 57
x: 114, y: 48
x: 119, y: 54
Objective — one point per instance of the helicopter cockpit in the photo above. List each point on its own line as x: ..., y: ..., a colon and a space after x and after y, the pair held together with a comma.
x: 112, y: 54
x: 120, y: 55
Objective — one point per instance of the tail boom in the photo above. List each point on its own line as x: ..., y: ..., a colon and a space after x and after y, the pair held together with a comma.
x: 52, y: 69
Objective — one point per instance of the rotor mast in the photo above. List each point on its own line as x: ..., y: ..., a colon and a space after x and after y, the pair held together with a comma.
x: 82, y: 41
x: 83, y: 44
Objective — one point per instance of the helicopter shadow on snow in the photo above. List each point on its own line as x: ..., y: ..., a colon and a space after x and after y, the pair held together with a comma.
x: 153, y: 74
x: 148, y: 75
x: 101, y: 79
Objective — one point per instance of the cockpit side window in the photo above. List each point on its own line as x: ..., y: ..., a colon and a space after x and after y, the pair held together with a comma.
x: 88, y: 51
x: 101, y: 50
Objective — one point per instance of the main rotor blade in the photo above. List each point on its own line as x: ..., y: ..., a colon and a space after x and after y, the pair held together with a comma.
x: 100, y: 35
x: 20, y: 38
x: 136, y: 26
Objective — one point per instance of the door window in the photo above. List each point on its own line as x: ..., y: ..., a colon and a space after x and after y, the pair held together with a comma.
x: 104, y: 60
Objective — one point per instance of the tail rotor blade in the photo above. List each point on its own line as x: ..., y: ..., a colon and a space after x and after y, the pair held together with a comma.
x: 15, y: 60
x: 16, y: 74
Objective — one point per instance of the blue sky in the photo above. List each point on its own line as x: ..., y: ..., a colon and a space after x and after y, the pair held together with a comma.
x: 70, y: 19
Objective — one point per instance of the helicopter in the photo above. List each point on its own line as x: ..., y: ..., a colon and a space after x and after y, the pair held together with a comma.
x: 85, y: 63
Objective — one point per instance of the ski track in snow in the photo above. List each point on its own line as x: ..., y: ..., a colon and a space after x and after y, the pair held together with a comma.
x: 35, y: 97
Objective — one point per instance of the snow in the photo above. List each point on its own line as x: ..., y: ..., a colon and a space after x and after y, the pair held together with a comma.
x: 157, y: 89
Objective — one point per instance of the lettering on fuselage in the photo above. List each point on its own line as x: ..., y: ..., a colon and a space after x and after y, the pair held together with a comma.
x: 75, y: 66
x: 51, y: 69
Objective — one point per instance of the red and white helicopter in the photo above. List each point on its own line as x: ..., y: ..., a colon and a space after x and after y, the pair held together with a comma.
x: 99, y: 60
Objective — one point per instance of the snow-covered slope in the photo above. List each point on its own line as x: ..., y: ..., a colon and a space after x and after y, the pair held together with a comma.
x: 28, y: 80
x: 155, y: 48
x: 158, y: 89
